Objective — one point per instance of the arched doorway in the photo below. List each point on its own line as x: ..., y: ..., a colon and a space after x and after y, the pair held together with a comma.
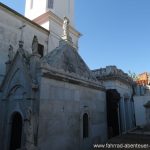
x: 113, y: 98
x: 16, y: 132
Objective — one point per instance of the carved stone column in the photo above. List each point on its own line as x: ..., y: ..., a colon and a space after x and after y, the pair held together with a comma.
x: 28, y: 130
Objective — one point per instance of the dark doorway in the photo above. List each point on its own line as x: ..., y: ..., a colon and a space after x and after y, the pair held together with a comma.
x: 113, y: 98
x: 16, y: 132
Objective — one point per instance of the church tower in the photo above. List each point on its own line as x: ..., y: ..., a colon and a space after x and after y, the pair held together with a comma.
x: 50, y: 15
x: 61, y: 8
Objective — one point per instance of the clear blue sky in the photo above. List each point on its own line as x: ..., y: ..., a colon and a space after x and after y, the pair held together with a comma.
x: 115, y: 32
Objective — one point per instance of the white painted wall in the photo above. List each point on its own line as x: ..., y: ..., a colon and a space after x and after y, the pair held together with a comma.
x: 64, y: 8
x: 140, y: 112
x: 53, y: 23
x: 39, y: 8
x: 61, y: 8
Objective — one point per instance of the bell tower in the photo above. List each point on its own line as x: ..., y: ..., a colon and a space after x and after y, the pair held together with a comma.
x: 61, y: 8
x: 50, y: 15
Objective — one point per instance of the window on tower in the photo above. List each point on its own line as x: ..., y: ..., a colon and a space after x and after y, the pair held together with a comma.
x: 50, y: 4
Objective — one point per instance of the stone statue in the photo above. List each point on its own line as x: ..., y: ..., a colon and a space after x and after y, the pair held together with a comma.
x: 10, y: 53
x: 65, y: 27
x: 35, y: 45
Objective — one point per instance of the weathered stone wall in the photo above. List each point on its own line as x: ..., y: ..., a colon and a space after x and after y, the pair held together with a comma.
x: 11, y: 34
x: 113, y: 78
x: 119, y: 86
x: 126, y: 104
x: 13, y: 100
x: 62, y: 106
x: 140, y: 111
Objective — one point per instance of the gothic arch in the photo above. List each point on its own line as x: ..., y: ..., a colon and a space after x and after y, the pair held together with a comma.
x: 17, y: 90
x: 85, y: 111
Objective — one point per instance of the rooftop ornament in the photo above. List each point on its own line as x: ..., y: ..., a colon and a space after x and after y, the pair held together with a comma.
x: 65, y: 27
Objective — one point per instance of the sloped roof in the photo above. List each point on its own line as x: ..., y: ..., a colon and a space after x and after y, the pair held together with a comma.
x: 66, y: 57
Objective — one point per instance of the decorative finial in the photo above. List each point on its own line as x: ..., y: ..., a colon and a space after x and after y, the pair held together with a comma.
x: 65, y: 27
x: 21, y: 29
x: 10, y: 53
x: 35, y: 45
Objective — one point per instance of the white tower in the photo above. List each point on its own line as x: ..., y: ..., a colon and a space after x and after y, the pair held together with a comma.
x: 49, y: 14
x: 61, y: 8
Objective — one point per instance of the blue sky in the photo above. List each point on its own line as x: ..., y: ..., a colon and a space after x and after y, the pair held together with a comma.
x: 115, y: 32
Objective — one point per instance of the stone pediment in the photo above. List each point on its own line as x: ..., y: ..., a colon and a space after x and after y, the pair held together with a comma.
x: 66, y: 58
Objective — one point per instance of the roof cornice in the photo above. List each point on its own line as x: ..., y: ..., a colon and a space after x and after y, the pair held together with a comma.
x: 60, y: 75
x: 112, y: 73
x: 49, y: 15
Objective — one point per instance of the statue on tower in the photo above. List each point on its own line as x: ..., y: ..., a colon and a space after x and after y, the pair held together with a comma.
x: 65, y: 27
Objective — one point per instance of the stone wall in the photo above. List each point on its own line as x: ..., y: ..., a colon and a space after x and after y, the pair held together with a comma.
x: 62, y: 107
x: 11, y: 34
x: 113, y: 78
x: 140, y: 111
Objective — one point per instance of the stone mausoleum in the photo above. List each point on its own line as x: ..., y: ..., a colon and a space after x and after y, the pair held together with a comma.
x: 49, y: 98
x: 119, y: 99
